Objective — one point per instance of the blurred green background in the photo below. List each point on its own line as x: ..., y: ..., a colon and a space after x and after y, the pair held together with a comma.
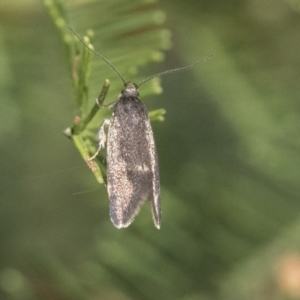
x: 229, y: 152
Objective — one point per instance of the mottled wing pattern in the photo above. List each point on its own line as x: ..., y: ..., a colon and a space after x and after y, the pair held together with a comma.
x: 132, y: 164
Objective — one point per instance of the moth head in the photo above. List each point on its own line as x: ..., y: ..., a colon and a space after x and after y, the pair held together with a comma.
x: 130, y: 90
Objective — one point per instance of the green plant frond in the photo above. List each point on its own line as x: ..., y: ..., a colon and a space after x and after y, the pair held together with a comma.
x: 129, y: 35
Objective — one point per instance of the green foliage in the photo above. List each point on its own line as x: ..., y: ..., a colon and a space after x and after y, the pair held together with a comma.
x: 228, y: 150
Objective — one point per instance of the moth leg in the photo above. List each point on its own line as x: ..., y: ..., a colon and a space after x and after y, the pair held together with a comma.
x: 101, y: 138
x: 110, y: 105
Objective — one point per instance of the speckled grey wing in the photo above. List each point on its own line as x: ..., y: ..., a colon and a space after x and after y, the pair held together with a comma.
x: 132, y: 164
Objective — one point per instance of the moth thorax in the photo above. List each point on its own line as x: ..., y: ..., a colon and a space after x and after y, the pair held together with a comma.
x: 130, y: 90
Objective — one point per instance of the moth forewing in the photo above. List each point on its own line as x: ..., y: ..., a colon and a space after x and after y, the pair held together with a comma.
x: 132, y: 167
x: 155, y: 193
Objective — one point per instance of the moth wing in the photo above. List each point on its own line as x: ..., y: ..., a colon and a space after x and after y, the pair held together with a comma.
x: 132, y: 165
x: 155, y: 191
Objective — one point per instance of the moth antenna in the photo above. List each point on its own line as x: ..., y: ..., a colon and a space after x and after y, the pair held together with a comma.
x: 176, y: 70
x: 99, y: 55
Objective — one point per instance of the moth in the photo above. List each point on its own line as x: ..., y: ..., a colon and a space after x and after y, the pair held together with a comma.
x: 132, y: 162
